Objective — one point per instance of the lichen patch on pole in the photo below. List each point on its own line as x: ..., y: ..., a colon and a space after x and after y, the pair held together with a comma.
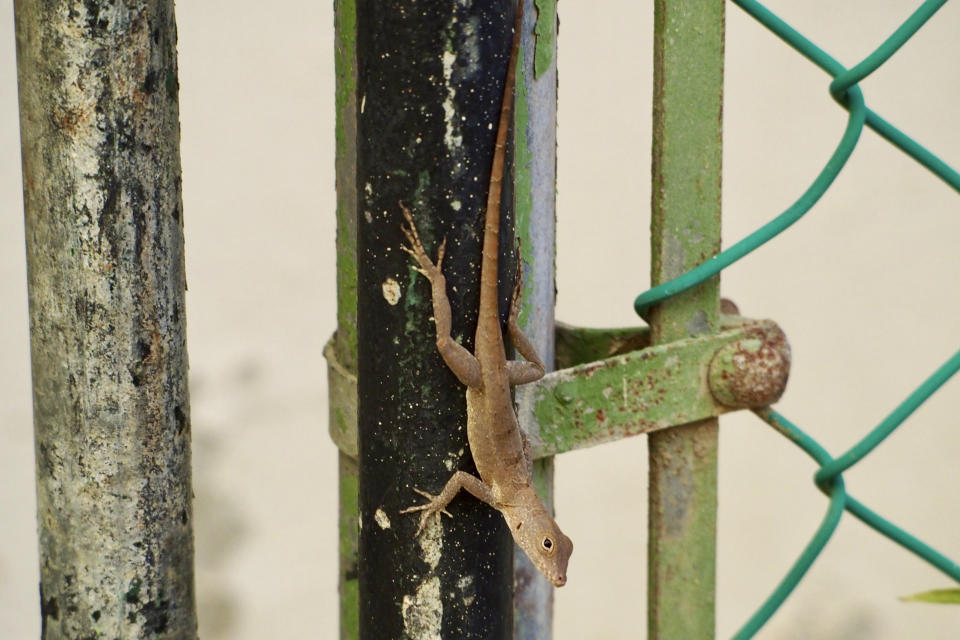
x: 102, y: 197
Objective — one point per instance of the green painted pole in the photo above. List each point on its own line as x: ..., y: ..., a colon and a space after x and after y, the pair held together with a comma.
x: 341, y: 352
x: 685, y: 231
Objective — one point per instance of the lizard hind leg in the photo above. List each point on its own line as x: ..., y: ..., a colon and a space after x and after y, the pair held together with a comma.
x: 533, y: 368
x: 462, y: 363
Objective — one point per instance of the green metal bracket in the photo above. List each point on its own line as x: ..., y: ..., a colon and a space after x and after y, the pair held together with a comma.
x: 342, y: 384
x: 626, y: 388
x: 654, y: 387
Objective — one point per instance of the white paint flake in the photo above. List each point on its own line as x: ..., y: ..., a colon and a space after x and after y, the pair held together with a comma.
x: 451, y: 135
x: 391, y: 291
x: 431, y: 541
x: 467, y: 590
x: 452, y: 459
x: 423, y: 611
x: 381, y: 517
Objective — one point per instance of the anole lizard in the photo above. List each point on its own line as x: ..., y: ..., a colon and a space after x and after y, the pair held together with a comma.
x: 500, y: 449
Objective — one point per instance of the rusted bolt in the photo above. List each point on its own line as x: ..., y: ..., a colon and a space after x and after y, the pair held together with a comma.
x: 751, y: 372
x: 729, y: 307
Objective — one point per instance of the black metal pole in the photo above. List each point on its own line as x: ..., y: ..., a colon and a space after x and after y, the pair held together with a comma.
x: 430, y: 79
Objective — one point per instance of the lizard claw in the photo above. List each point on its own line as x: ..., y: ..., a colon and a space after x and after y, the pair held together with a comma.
x: 415, y: 247
x: 441, y: 251
x: 419, y: 270
x: 432, y: 498
x: 433, y: 507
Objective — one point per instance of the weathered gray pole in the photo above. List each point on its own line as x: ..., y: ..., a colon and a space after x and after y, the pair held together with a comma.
x: 101, y: 173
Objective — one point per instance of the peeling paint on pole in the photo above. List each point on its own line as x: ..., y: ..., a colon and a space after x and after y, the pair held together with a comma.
x: 101, y: 171
x: 535, y: 187
x: 422, y: 611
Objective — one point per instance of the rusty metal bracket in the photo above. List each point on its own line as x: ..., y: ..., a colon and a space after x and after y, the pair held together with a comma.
x: 614, y: 385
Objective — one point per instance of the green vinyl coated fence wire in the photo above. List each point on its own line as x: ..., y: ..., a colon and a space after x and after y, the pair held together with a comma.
x: 890, y: 423
x: 828, y: 478
x: 852, y: 98
x: 890, y: 46
x: 820, y: 538
x: 839, y: 501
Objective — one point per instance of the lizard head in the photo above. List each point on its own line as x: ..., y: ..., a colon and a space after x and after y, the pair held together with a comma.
x: 535, y: 531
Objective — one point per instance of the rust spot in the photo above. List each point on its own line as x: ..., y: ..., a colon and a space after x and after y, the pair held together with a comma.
x: 68, y: 120
x: 589, y: 369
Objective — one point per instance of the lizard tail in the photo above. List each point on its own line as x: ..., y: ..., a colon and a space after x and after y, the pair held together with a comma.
x: 489, y: 292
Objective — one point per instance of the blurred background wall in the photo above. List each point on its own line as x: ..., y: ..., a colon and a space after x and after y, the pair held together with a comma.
x: 865, y: 288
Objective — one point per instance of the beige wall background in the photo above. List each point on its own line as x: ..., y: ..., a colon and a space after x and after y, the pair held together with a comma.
x: 865, y: 288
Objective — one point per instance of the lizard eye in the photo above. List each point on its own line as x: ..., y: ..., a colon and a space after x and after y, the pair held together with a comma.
x: 547, y: 544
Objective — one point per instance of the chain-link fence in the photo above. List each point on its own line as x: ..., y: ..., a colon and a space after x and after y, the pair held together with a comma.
x: 845, y: 90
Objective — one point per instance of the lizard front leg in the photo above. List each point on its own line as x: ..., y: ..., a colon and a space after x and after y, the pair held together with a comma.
x: 463, y: 363
x: 438, y: 504
x: 521, y: 371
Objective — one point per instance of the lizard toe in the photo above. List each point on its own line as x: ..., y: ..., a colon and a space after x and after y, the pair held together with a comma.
x: 428, y: 496
x: 419, y: 507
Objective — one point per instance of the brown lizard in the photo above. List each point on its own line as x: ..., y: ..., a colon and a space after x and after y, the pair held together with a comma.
x: 500, y: 449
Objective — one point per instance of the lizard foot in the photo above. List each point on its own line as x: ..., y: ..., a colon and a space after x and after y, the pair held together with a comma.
x: 427, y: 267
x: 435, y: 507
